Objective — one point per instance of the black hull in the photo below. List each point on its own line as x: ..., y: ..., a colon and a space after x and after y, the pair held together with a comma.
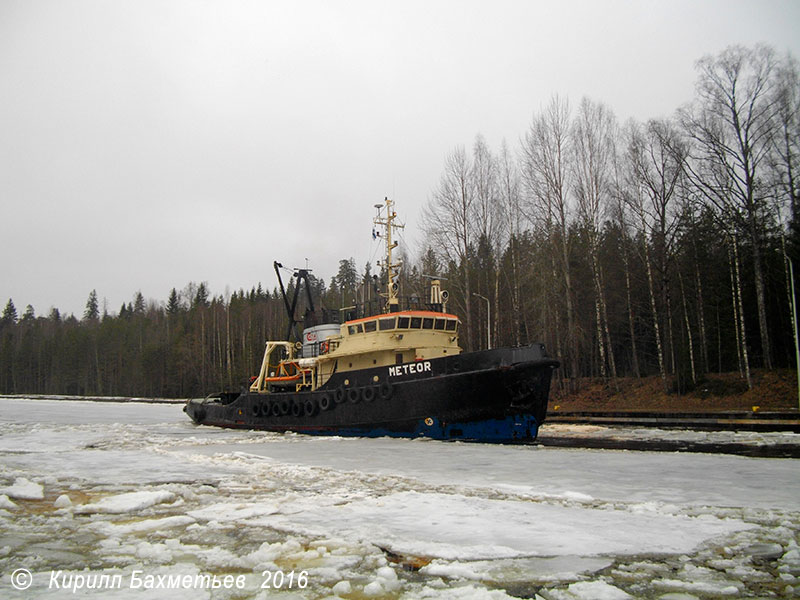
x: 492, y: 395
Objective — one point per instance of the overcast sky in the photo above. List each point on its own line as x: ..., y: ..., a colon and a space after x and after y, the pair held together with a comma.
x: 147, y: 144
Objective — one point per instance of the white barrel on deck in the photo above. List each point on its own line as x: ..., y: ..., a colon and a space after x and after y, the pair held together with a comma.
x: 314, y: 335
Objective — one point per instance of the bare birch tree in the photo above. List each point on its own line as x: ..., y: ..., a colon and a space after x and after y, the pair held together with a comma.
x: 510, y: 199
x: 489, y: 223
x: 656, y: 157
x: 449, y: 223
x: 548, y: 179
x: 733, y: 127
x: 594, y: 133
x: 621, y: 211
x: 785, y: 162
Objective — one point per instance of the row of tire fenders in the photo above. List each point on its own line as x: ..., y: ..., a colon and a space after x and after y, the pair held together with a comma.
x: 317, y: 402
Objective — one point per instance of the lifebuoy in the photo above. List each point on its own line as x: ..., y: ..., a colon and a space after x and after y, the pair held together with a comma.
x: 386, y: 390
x: 353, y: 395
x: 323, y: 348
x: 369, y: 393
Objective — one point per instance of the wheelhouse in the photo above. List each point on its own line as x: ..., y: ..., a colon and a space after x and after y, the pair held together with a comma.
x: 405, y: 321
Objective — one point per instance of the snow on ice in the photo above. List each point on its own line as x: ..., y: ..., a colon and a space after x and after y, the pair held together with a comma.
x: 125, y: 503
x: 24, y: 489
x: 129, y: 500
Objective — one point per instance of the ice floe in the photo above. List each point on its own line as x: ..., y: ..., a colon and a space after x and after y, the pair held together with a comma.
x: 24, y: 489
x: 88, y: 489
x: 125, y: 503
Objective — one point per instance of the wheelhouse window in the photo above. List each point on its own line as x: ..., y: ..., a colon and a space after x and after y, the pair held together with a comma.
x: 385, y: 324
x: 369, y: 326
x: 354, y: 329
x: 451, y: 325
x: 416, y: 322
x: 427, y: 323
x: 402, y: 322
x: 439, y: 324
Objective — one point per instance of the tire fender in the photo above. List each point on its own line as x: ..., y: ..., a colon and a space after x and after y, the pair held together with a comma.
x: 326, y: 402
x: 369, y: 393
x: 353, y: 395
x: 310, y: 407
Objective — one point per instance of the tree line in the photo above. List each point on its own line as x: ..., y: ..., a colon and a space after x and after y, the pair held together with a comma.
x: 658, y: 248
x: 192, y: 344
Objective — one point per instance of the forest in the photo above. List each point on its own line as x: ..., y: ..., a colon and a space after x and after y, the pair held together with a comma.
x: 660, y: 248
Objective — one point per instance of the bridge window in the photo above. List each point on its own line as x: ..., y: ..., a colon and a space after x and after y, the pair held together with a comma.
x: 385, y: 324
x: 427, y: 323
x: 451, y: 325
x: 416, y: 322
x: 402, y: 322
x: 439, y: 324
x: 357, y: 328
x: 369, y: 326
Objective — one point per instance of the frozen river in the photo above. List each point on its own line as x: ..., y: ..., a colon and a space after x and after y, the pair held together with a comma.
x: 130, y: 500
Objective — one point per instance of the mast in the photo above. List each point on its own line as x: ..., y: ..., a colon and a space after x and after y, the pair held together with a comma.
x: 301, y: 275
x: 392, y: 269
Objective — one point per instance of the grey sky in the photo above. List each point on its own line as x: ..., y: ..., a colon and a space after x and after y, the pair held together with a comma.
x: 146, y: 144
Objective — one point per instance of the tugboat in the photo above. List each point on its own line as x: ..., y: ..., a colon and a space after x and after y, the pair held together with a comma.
x: 393, y: 371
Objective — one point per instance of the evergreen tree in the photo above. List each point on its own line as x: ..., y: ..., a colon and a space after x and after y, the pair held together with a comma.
x: 347, y: 279
x: 29, y: 314
x: 9, y: 313
x: 92, y: 312
x: 201, y: 297
x: 138, y: 304
x: 173, y: 303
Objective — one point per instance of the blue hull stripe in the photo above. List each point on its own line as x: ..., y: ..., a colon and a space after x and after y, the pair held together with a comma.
x: 508, y: 429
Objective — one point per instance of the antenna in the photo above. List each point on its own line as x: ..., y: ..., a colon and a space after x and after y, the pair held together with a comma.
x: 392, y: 269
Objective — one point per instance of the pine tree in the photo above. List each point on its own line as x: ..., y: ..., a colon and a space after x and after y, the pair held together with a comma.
x: 138, y: 303
x: 347, y: 279
x: 9, y: 313
x: 201, y: 297
x: 173, y: 303
x: 92, y: 312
